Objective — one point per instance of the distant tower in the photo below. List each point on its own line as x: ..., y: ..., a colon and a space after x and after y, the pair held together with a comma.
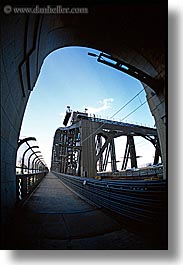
x: 68, y: 109
x: 67, y: 116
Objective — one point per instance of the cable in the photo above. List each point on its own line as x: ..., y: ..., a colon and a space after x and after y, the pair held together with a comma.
x: 126, y: 104
x: 117, y: 113
x: 142, y: 143
x: 135, y: 109
x: 139, y: 142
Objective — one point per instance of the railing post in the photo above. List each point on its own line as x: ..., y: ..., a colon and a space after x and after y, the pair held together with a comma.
x: 23, y: 157
x: 23, y: 186
x: 34, y: 163
x: 17, y: 187
x: 28, y: 184
x: 34, y: 153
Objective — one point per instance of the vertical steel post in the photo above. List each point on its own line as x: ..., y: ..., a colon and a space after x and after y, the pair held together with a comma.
x: 132, y: 151
x: 34, y: 153
x: 113, y: 156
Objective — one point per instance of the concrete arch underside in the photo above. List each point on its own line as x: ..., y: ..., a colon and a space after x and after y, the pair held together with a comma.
x: 125, y: 32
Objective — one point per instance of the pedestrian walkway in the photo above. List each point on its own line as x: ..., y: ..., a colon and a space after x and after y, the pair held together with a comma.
x: 56, y: 218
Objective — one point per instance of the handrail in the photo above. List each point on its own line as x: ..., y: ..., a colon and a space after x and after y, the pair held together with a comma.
x: 139, y: 200
x: 25, y: 140
x: 26, y: 184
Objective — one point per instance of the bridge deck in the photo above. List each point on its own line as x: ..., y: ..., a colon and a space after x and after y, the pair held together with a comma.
x: 56, y: 218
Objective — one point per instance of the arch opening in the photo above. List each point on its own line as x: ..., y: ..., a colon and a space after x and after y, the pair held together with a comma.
x: 102, y: 90
x: 25, y: 47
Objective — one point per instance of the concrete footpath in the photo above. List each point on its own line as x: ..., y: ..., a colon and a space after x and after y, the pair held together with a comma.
x: 56, y: 218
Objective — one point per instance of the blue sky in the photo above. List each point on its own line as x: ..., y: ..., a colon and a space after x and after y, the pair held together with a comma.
x: 70, y: 77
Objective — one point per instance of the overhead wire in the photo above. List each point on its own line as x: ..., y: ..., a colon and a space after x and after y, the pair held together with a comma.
x: 118, y: 112
x: 135, y: 110
x: 126, y: 104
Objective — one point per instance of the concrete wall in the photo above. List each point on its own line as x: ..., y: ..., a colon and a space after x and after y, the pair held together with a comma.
x: 27, y: 40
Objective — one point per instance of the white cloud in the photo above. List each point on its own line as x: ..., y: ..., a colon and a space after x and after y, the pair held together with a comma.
x: 62, y: 114
x: 104, y: 105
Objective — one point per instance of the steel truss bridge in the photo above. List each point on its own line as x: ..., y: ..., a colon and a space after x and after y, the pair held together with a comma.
x: 87, y: 146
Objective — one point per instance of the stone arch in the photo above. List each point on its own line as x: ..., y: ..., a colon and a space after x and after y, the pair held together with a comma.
x: 28, y: 39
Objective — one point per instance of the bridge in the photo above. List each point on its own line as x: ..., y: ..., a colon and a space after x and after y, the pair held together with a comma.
x: 110, y: 207
x: 56, y: 216
x: 80, y: 159
x: 84, y: 147
x: 137, y: 47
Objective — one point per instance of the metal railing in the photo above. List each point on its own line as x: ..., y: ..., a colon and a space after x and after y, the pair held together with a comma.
x: 26, y: 184
x: 26, y: 164
x: 148, y: 173
x: 29, y: 172
x: 97, y: 119
x: 139, y: 200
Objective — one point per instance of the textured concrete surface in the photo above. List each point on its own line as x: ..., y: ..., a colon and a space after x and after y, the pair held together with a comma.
x: 53, y: 197
x: 56, y: 218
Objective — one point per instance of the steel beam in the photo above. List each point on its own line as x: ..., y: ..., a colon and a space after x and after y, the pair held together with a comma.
x: 155, y: 84
x: 81, y: 156
x: 132, y: 151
